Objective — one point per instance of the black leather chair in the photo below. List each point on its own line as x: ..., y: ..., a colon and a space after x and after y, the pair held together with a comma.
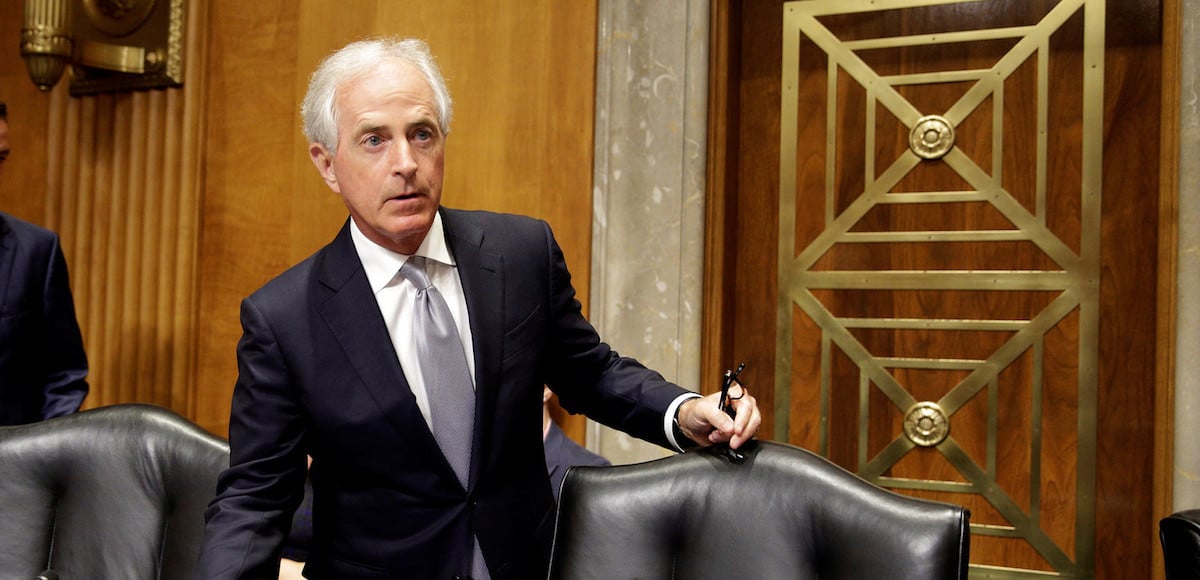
x: 1180, y: 537
x: 782, y: 513
x: 108, y: 493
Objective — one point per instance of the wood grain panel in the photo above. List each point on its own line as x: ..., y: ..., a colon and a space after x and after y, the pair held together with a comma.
x: 1129, y: 295
x: 523, y: 78
x: 719, y: 204
x: 1128, y: 287
x: 521, y: 74
x: 316, y: 211
x: 250, y: 193
x: 119, y: 184
x: 23, y: 175
x: 1168, y: 261
x: 174, y: 205
x: 755, y: 209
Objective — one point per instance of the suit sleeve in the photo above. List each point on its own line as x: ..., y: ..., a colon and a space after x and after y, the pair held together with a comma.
x: 590, y: 377
x: 248, y: 520
x: 66, y: 365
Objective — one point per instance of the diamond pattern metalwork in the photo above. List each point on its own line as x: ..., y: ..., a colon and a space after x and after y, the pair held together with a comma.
x: 1073, y: 280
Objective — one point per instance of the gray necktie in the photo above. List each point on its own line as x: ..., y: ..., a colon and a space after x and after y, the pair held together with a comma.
x: 447, y: 382
x: 444, y: 368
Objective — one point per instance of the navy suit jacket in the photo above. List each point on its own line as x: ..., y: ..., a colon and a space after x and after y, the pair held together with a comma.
x: 318, y: 375
x: 561, y: 453
x: 43, y: 368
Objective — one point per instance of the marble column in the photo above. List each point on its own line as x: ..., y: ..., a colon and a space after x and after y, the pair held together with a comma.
x: 648, y: 197
x: 1186, y: 482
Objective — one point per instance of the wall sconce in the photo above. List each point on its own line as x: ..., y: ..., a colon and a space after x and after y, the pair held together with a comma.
x: 110, y: 45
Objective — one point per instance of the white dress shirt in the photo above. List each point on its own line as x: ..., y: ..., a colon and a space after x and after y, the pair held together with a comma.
x: 396, y: 297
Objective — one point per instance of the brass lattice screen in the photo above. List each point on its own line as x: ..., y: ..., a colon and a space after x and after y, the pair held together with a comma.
x: 939, y: 217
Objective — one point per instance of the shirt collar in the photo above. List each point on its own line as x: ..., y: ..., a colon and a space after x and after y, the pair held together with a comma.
x: 382, y: 264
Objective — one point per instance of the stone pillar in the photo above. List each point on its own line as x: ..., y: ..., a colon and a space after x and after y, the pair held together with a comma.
x: 648, y: 197
x: 1186, y: 482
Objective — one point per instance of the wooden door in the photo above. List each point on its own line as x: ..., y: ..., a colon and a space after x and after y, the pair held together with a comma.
x: 962, y: 225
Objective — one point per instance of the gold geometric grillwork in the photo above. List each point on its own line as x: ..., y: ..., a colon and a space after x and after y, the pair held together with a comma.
x: 806, y: 279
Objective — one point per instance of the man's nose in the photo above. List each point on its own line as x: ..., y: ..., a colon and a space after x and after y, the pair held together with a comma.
x: 403, y: 161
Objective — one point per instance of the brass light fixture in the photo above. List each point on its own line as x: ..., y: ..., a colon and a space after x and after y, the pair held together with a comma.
x: 110, y: 45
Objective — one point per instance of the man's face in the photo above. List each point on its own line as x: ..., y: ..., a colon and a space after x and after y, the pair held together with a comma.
x: 389, y: 162
x: 4, y: 148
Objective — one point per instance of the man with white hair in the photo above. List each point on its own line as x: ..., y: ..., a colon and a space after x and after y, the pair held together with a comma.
x: 407, y: 358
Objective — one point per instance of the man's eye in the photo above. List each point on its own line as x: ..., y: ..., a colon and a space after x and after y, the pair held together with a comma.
x: 373, y: 141
x: 423, y: 135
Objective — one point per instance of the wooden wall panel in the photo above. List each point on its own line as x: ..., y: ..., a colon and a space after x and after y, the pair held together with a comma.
x: 116, y: 175
x: 23, y: 176
x: 1125, y: 544
x: 522, y: 77
x: 175, y: 204
x: 250, y: 195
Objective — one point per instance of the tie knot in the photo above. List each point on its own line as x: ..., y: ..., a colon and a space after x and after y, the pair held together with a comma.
x: 414, y: 271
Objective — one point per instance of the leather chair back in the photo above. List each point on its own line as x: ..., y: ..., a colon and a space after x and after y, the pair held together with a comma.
x: 1180, y: 537
x: 782, y: 513
x: 112, y: 492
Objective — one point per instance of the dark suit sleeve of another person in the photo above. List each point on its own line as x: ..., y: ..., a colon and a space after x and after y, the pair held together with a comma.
x: 562, y: 453
x: 43, y: 367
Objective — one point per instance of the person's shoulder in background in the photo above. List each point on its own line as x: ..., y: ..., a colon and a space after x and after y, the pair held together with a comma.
x: 23, y: 229
x: 562, y: 453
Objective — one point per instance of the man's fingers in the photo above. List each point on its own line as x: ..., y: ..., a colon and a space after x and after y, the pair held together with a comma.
x: 748, y: 420
x: 706, y: 417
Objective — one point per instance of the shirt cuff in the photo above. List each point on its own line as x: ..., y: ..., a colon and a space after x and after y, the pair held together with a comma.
x: 669, y: 418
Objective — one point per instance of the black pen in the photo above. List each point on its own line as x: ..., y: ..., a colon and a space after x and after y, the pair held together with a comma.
x: 725, y: 402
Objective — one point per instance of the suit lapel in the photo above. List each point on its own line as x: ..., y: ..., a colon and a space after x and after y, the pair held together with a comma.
x: 350, y: 310
x: 481, y: 273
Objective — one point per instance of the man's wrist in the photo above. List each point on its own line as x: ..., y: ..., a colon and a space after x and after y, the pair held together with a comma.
x: 681, y: 439
x: 669, y: 421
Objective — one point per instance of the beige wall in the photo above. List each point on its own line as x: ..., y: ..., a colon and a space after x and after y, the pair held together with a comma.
x: 173, y: 205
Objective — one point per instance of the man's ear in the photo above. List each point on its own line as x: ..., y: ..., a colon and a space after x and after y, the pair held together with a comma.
x: 324, y: 162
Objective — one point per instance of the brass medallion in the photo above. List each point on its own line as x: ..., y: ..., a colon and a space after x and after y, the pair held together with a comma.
x: 926, y: 424
x: 931, y: 137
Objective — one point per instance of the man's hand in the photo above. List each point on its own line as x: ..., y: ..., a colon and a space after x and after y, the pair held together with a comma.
x: 703, y: 422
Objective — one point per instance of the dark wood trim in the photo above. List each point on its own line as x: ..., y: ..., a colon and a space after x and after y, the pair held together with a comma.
x: 721, y: 190
x: 1168, y: 258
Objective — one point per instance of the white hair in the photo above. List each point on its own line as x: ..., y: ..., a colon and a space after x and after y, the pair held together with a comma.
x: 354, y: 61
